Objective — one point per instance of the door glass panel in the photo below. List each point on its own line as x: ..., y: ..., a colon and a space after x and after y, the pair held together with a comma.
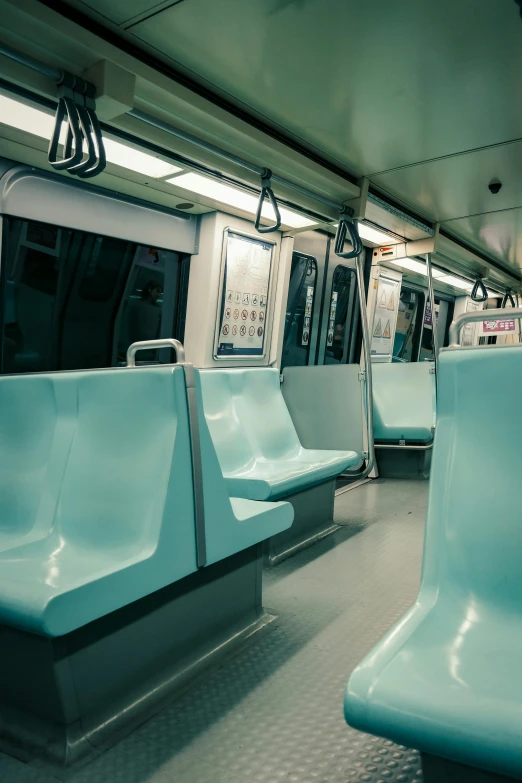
x: 446, y: 308
x: 340, y: 315
x: 409, y: 325
x: 74, y: 300
x: 299, y: 311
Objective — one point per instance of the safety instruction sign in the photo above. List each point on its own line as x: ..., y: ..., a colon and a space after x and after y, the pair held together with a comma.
x: 385, y: 316
x: 499, y: 327
x: 247, y: 267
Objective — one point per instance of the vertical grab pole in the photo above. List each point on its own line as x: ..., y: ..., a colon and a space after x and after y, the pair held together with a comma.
x: 433, y: 318
x: 359, y: 270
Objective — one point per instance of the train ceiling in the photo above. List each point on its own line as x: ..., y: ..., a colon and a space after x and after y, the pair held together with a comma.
x: 421, y: 97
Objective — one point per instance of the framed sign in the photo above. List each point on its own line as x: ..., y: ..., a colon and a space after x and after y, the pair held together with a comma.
x: 244, y: 296
x: 385, y: 316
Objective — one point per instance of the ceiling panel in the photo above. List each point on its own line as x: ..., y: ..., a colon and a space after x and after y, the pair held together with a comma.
x: 499, y: 234
x: 458, y: 186
x: 375, y: 85
x: 121, y: 11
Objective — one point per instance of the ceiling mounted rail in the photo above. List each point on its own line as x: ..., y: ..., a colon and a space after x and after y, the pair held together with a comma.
x: 77, y: 109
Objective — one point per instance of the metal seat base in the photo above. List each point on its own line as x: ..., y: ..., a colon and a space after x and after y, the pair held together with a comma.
x: 313, y: 520
x: 64, y: 700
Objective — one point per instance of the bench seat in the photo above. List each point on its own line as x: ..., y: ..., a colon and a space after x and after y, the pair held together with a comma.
x: 122, y: 525
x: 446, y: 679
x: 403, y: 402
x: 255, y: 439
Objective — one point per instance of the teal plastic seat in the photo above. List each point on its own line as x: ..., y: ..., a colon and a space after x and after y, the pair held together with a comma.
x: 447, y: 678
x: 110, y: 514
x: 34, y: 446
x: 403, y: 401
x: 255, y: 439
x: 232, y: 523
x: 124, y: 523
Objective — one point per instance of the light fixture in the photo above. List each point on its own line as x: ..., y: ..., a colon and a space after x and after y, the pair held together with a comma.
x: 376, y: 236
x: 40, y: 123
x: 411, y: 264
x: 234, y: 197
x: 455, y: 282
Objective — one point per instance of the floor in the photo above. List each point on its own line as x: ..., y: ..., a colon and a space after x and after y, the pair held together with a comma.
x: 273, y: 714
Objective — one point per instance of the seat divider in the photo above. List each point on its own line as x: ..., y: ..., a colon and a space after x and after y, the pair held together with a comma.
x: 197, y: 470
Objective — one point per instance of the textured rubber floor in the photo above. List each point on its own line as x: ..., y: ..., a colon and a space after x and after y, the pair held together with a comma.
x: 273, y: 714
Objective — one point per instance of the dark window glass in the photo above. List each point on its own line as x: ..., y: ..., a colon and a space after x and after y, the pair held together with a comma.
x: 299, y: 311
x: 74, y: 300
x: 340, y: 315
x: 409, y: 325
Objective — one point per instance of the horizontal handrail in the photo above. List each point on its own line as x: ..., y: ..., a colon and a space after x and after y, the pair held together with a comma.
x: 152, y: 345
x: 499, y: 314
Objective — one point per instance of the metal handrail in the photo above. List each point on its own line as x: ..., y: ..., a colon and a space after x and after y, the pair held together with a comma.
x: 351, y: 226
x: 498, y: 314
x: 150, y: 345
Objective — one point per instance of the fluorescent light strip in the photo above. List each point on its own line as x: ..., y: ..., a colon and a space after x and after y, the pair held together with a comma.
x: 375, y: 236
x: 234, y: 197
x: 31, y: 120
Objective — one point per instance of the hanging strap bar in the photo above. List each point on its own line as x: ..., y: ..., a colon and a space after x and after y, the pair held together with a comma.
x: 56, y: 74
x: 67, y: 111
x: 266, y: 191
x: 208, y: 147
x: 479, y: 292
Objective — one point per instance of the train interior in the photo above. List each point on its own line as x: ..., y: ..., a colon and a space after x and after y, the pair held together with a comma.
x: 259, y: 392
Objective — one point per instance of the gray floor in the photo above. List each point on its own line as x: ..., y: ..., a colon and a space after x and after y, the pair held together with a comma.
x: 273, y: 714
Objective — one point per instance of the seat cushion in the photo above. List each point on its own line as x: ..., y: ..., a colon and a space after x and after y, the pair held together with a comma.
x: 270, y: 479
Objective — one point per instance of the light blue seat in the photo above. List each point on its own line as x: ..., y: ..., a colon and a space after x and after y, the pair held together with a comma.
x: 447, y: 679
x: 232, y: 523
x: 403, y: 401
x: 119, y: 518
x: 255, y: 439
x: 124, y: 525
x: 34, y: 446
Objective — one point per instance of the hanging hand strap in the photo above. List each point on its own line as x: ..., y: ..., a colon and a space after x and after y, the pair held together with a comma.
x: 347, y: 226
x: 479, y: 292
x: 67, y: 111
x: 508, y: 297
x: 266, y: 190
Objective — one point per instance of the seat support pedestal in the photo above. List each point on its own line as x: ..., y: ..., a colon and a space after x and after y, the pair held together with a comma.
x: 313, y: 520
x: 68, y: 698
x: 438, y: 770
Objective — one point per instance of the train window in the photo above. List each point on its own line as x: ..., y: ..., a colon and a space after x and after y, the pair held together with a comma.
x: 409, y: 325
x: 340, y: 315
x: 444, y: 315
x: 74, y: 300
x: 299, y: 311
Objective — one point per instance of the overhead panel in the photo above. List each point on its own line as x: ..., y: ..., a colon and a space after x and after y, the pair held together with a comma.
x: 457, y: 186
x: 374, y: 85
x: 497, y: 233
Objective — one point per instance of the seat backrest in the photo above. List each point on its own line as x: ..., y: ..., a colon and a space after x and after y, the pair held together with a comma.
x: 34, y: 446
x: 128, y: 482
x: 403, y: 400
x: 248, y: 409
x: 474, y: 530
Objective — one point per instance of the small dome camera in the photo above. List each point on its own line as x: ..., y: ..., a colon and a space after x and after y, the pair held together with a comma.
x: 494, y: 186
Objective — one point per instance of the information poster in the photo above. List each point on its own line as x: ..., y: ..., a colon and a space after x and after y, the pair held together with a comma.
x: 246, y: 282
x: 305, y: 336
x: 469, y: 332
x: 385, y: 316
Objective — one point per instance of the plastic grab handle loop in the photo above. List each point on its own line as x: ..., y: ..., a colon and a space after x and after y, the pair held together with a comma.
x: 66, y: 110
x: 346, y: 225
x: 508, y: 297
x: 77, y: 107
x: 266, y: 190
x: 152, y: 345
x: 479, y: 286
